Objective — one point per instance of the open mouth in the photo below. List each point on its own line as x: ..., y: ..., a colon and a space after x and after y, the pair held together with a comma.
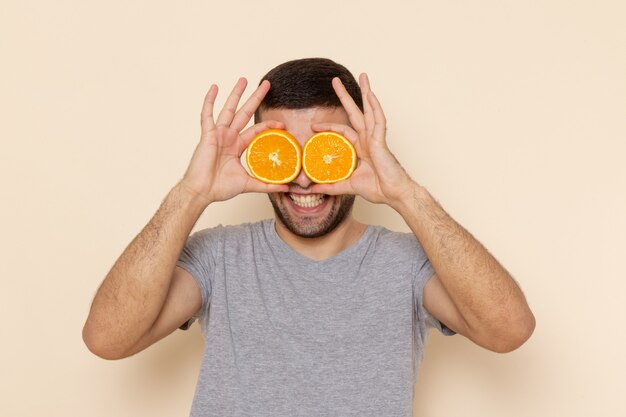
x: 307, y: 200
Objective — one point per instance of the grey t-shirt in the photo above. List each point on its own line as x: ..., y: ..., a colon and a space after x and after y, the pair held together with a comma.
x: 290, y: 336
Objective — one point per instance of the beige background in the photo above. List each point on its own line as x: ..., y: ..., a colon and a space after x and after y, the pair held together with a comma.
x: 511, y: 113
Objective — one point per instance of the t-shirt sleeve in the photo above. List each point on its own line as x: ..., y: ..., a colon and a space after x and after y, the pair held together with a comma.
x: 423, y: 271
x: 198, y: 258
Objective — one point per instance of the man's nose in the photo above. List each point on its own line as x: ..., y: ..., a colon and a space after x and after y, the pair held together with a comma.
x: 302, y: 180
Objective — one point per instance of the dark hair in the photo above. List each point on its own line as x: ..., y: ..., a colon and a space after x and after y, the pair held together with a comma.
x: 305, y: 83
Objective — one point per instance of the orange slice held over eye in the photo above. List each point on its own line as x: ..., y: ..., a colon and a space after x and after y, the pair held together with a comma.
x: 274, y: 156
x: 328, y: 157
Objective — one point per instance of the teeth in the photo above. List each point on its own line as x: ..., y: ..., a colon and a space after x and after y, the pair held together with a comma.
x: 307, y: 201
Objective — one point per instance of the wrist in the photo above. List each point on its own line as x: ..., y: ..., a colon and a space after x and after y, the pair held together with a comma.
x: 189, y: 198
x: 412, y: 199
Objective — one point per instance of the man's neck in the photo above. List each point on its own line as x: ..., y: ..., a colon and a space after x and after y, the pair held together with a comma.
x: 327, y: 246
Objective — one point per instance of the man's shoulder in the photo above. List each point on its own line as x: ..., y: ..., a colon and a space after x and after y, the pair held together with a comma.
x: 396, y: 242
x: 383, y: 234
x: 232, y: 231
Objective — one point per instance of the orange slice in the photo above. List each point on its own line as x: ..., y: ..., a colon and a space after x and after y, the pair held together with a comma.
x: 328, y: 157
x: 274, y: 156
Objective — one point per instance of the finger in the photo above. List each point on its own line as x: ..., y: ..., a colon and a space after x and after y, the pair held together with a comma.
x: 380, y: 121
x: 206, y: 115
x: 345, y: 130
x: 243, y: 116
x: 255, y: 186
x: 342, y: 129
x: 228, y: 112
x: 248, y: 134
x: 368, y: 113
x: 354, y: 113
x: 338, y: 188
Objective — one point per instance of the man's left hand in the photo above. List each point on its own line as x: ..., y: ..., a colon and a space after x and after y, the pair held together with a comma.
x: 378, y: 177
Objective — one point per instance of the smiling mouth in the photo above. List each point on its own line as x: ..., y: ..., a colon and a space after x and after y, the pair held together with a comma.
x: 308, y: 200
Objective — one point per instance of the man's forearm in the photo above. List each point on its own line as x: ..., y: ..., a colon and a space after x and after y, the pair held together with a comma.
x: 489, y: 300
x: 132, y: 295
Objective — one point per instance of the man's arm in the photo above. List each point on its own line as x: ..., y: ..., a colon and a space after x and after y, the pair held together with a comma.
x: 471, y: 292
x: 145, y: 296
x: 134, y: 292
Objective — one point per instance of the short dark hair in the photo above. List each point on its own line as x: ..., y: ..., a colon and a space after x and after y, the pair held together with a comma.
x: 305, y: 83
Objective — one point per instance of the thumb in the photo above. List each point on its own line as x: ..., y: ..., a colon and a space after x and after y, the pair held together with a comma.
x: 338, y: 188
x: 255, y: 186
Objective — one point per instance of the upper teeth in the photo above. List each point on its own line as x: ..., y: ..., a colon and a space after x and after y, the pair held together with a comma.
x: 309, y: 200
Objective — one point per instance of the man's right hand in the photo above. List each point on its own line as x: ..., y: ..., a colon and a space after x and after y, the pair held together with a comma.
x: 215, y: 172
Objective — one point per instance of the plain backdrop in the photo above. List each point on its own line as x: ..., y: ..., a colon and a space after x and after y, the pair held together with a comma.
x: 511, y: 113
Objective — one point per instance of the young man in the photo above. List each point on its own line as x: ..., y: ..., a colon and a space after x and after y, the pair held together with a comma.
x: 311, y: 313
